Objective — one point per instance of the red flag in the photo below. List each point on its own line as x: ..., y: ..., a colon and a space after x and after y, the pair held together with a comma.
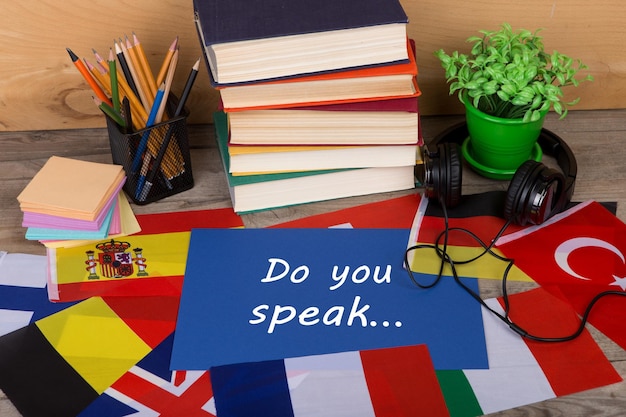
x: 576, y: 256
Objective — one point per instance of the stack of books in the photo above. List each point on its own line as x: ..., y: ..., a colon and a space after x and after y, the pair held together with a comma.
x: 70, y: 201
x: 319, y: 100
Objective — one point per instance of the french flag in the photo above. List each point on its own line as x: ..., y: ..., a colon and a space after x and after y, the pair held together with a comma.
x: 391, y: 382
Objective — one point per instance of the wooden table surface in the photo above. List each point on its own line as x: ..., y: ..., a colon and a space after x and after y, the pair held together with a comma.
x: 596, y: 137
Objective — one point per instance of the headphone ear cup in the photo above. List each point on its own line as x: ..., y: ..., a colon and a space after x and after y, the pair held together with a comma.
x: 518, y: 190
x: 535, y: 193
x: 454, y: 175
x: 441, y: 174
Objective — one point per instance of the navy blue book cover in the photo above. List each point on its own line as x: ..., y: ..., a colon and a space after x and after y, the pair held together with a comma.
x: 236, y: 20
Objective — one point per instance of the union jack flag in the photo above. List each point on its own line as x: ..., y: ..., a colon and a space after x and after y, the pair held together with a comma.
x: 150, y: 389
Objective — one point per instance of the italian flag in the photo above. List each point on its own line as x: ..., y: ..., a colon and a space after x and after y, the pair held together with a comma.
x: 521, y: 371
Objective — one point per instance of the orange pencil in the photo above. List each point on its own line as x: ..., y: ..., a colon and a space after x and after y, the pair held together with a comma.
x: 145, y: 65
x: 87, y: 76
x: 166, y: 62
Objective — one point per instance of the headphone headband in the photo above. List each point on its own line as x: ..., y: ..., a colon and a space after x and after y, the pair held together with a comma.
x: 550, y: 143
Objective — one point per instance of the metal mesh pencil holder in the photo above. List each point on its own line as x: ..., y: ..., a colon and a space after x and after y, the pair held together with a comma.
x: 156, y: 159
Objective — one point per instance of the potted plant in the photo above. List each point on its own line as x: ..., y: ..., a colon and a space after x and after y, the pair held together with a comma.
x: 508, y: 83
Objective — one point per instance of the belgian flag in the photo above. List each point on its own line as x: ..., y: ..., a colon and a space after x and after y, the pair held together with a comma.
x: 59, y: 364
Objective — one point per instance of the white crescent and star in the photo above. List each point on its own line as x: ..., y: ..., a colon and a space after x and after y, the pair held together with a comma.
x: 564, y: 250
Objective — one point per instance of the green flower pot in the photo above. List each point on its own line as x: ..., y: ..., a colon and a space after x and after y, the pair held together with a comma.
x: 496, y: 147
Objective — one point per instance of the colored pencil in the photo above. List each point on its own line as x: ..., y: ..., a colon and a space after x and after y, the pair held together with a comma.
x: 99, y: 75
x: 168, y: 84
x: 141, y: 81
x: 145, y: 65
x: 166, y: 62
x: 115, y: 94
x: 102, y: 75
x: 144, y: 138
x: 99, y: 59
x: 110, y: 111
x: 135, y: 76
x: 127, y: 74
x: 87, y: 76
x: 156, y: 166
x: 185, y: 95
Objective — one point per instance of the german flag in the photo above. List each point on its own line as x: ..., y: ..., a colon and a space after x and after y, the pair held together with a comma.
x: 477, y: 217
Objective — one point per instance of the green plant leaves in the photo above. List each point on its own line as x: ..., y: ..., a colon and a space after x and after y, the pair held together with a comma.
x: 508, y: 74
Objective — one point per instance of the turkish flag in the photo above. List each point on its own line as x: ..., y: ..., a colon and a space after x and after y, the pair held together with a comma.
x: 577, y: 255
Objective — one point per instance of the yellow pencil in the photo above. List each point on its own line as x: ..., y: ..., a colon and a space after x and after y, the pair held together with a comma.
x: 135, y: 104
x: 171, y: 159
x: 145, y: 65
x: 132, y: 67
x: 99, y: 59
x: 166, y: 62
x: 105, y: 82
x: 168, y: 84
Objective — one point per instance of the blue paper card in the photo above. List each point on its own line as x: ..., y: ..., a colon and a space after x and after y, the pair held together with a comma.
x: 262, y: 294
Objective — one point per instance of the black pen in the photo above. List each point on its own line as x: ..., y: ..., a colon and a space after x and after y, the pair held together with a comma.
x: 128, y: 118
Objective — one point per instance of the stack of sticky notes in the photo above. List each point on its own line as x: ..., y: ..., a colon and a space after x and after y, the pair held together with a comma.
x: 69, y: 201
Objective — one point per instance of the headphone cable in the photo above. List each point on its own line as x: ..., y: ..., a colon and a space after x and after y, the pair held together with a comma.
x: 445, y: 258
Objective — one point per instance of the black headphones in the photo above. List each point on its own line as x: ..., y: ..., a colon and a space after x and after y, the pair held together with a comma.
x: 535, y: 193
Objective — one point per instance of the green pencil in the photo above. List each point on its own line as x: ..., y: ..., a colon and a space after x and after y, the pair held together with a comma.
x: 110, y: 111
x: 115, y: 95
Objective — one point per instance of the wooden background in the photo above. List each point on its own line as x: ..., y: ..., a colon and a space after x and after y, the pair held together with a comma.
x: 40, y: 89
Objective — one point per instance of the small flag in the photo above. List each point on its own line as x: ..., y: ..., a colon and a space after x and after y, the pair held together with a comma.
x: 482, y: 215
x: 522, y: 372
x: 390, y: 382
x: 576, y: 256
x: 151, y: 389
